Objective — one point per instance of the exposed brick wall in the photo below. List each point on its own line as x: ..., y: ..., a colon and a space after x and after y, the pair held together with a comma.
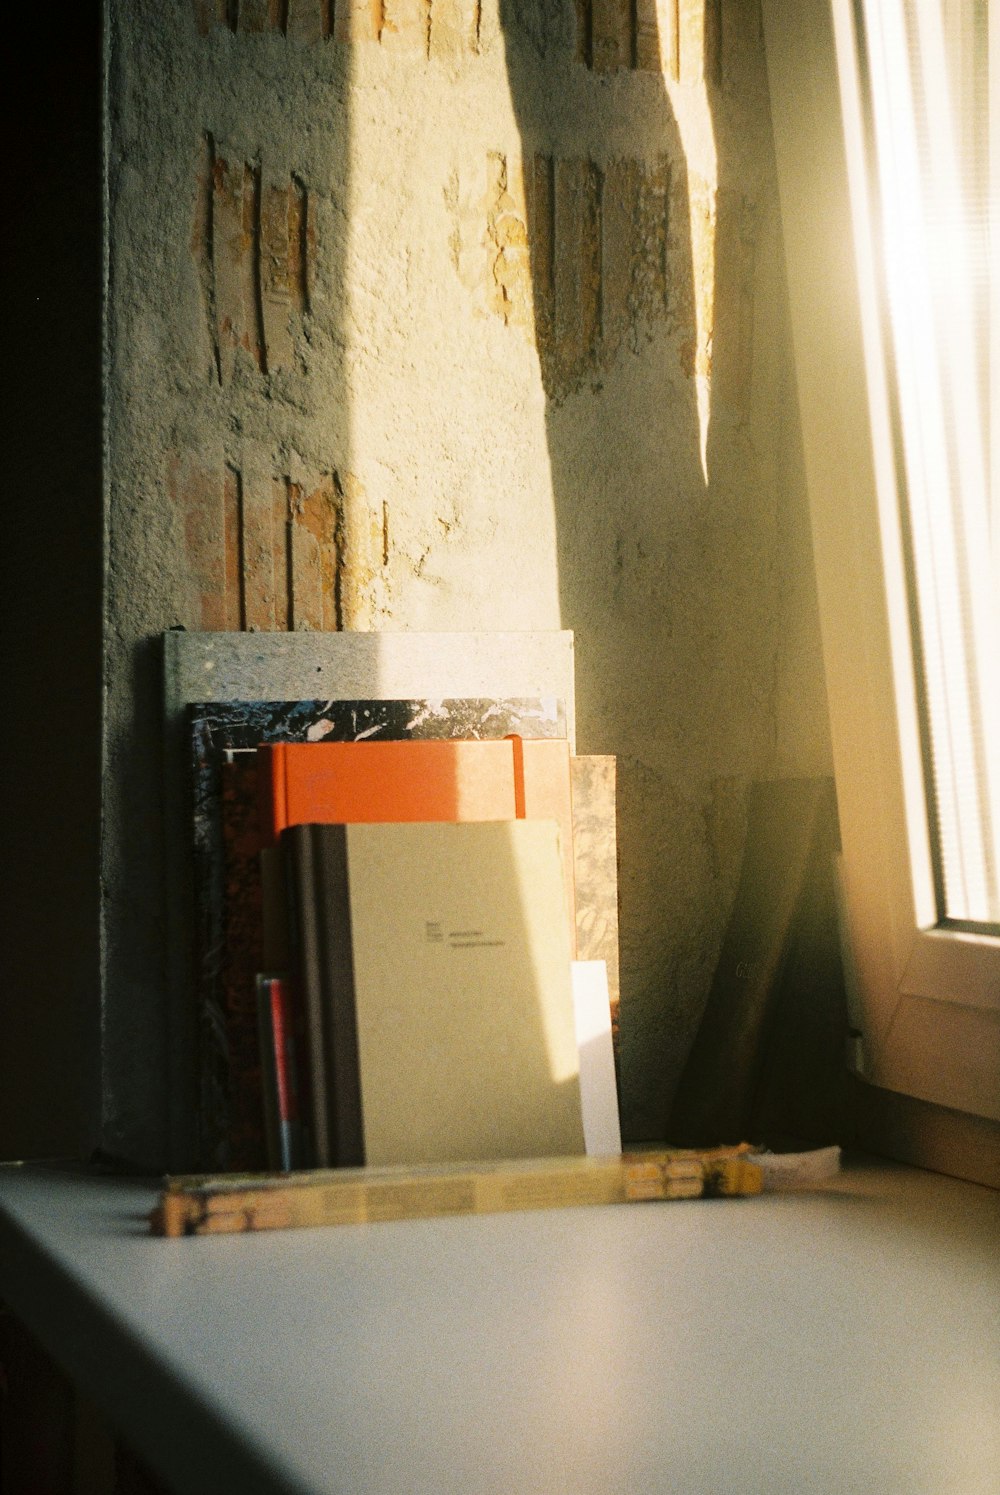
x: 428, y: 27
x: 682, y: 39
x: 254, y: 242
x: 306, y: 20
x: 584, y: 259
x: 271, y: 554
x: 576, y: 255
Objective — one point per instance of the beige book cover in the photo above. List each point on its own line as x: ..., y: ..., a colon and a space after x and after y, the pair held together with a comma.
x: 463, y: 997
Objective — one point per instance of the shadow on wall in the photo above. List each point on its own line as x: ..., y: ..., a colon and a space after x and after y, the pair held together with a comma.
x: 228, y: 433
x: 629, y: 263
x: 50, y: 607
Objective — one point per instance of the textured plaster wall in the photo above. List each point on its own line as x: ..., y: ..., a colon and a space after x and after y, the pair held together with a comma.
x: 426, y: 314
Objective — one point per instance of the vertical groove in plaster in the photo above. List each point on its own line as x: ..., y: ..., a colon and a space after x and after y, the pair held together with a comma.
x: 339, y: 554
x: 618, y: 223
x: 253, y: 298
x: 542, y: 247
x: 713, y: 42
x: 663, y: 237
x: 590, y: 260
x: 281, y: 506
x: 296, y: 564
x: 666, y: 237
x: 232, y: 524
x: 674, y: 11
x: 228, y: 261
x: 299, y: 228
x: 202, y: 247
x: 288, y: 538
x: 568, y: 246
x: 584, y: 33
x: 300, y: 563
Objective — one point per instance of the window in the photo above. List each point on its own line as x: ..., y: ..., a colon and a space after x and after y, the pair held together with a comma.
x: 926, y: 75
x: 886, y: 172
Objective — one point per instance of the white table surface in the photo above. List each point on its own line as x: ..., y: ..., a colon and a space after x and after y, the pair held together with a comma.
x: 842, y: 1340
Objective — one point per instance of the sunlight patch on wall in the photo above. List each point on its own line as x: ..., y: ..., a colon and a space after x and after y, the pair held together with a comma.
x: 693, y: 112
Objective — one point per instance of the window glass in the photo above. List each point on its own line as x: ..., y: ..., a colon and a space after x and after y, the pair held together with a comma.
x: 933, y: 81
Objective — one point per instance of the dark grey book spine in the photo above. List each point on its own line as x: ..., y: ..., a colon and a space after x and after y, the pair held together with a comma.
x: 268, y: 1076
x: 340, y: 1025
x: 323, y: 952
x: 308, y: 980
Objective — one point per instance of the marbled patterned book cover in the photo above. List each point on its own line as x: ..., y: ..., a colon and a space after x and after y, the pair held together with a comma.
x: 226, y: 730
x: 240, y: 961
x: 595, y: 865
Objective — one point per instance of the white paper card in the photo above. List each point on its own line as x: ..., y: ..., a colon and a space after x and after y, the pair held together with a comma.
x: 598, y: 1089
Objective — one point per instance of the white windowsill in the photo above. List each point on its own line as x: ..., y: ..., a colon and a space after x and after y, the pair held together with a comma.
x: 836, y: 1340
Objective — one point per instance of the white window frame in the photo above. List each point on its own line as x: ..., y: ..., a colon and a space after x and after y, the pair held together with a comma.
x: 927, y: 997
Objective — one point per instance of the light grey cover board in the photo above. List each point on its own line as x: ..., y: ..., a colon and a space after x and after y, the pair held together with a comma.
x: 204, y: 667
x: 365, y: 666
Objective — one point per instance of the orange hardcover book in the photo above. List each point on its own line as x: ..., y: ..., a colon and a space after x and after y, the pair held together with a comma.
x: 330, y: 783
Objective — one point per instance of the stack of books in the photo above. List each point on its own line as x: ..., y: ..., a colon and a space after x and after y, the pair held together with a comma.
x: 406, y: 929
